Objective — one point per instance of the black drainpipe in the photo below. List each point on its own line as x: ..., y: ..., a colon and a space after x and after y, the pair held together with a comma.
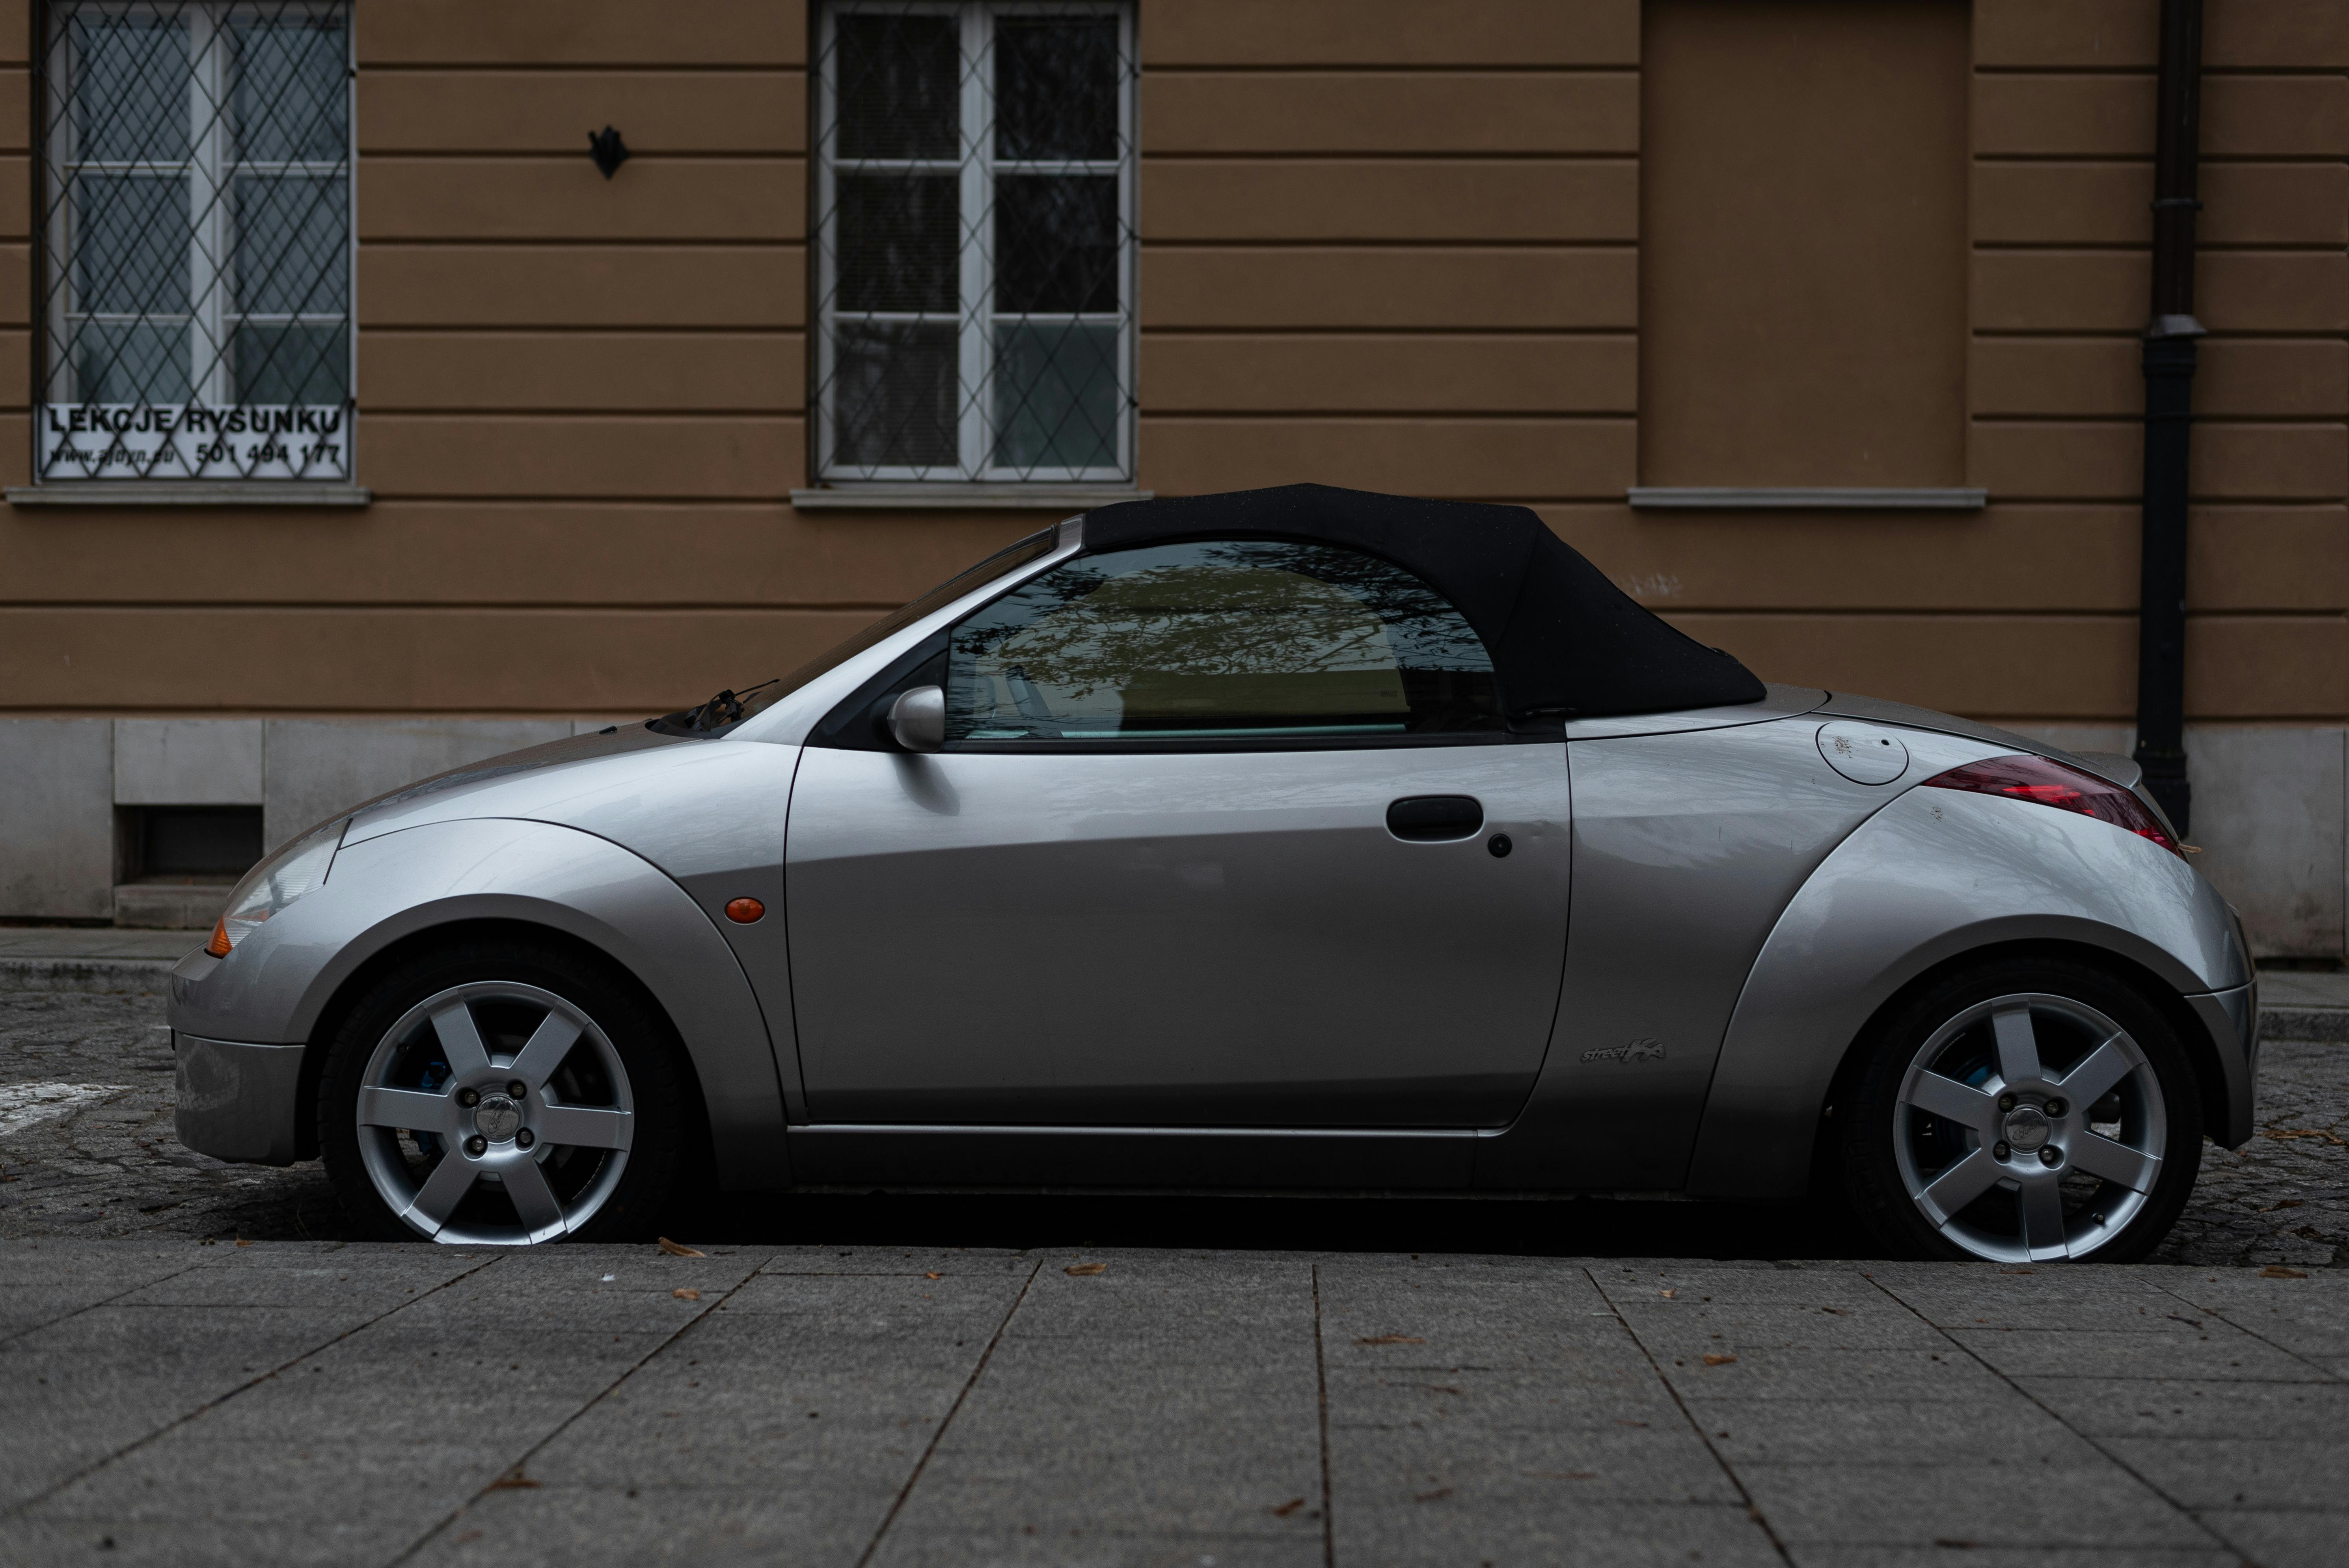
x: 2169, y: 416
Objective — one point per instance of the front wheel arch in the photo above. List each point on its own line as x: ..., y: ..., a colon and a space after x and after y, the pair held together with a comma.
x: 362, y: 979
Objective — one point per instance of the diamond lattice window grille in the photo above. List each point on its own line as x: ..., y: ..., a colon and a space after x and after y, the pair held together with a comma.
x: 975, y: 240
x: 195, y: 240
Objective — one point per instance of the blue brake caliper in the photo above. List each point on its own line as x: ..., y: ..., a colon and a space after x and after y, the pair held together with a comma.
x: 436, y: 1073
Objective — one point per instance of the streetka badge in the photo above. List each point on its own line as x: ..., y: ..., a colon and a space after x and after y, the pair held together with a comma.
x: 1636, y: 1051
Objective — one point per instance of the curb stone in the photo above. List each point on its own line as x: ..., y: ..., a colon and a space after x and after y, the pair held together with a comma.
x: 100, y: 975
x: 2324, y: 1025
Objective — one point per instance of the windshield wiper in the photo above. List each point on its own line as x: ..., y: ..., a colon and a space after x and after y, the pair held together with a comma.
x: 719, y: 711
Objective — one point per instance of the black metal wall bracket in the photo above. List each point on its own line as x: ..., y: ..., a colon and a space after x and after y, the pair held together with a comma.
x: 607, y: 150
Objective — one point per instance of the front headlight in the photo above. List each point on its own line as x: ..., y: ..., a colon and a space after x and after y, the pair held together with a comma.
x: 276, y: 882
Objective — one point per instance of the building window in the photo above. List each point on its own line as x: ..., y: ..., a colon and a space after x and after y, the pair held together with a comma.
x: 975, y: 242
x: 196, y: 241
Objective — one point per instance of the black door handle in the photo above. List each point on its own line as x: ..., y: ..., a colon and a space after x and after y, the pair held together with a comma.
x: 1435, y: 819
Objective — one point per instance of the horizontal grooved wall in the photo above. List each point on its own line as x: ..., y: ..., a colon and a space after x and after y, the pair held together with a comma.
x: 1383, y: 244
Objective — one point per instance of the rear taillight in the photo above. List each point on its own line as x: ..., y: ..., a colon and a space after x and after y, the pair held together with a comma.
x: 2025, y: 778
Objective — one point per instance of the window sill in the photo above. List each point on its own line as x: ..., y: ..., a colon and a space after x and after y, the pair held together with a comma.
x: 1758, y: 498
x: 956, y: 497
x: 189, y: 492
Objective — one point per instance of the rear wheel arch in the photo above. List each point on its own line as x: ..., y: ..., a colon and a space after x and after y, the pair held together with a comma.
x: 2201, y: 1049
x: 1942, y: 1010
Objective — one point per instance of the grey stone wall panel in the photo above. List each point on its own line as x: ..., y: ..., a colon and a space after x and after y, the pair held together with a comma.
x: 57, y: 819
x: 318, y: 767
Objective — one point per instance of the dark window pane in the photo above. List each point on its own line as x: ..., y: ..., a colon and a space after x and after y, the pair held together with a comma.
x: 289, y: 96
x: 291, y: 364
x: 131, y: 88
x: 1057, y: 403
x: 198, y: 841
x: 1056, y: 88
x: 899, y: 239
x: 292, y: 253
x: 1056, y: 242
x: 1231, y: 639
x: 892, y: 395
x: 130, y: 239
x: 899, y: 81
x: 128, y: 362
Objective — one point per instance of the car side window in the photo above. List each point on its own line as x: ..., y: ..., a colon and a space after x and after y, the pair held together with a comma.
x: 1219, y: 640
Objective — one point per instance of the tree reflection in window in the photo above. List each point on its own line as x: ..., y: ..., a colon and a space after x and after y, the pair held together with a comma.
x: 1225, y: 639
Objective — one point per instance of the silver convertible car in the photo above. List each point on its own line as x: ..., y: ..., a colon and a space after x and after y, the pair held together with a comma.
x: 1296, y: 839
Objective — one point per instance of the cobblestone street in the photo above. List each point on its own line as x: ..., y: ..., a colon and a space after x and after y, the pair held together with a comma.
x: 101, y: 1161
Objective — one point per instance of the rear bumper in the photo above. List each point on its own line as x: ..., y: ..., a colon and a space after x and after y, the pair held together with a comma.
x: 237, y: 1101
x: 2233, y: 1019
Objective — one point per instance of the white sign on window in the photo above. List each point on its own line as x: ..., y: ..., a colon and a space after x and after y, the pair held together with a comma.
x: 195, y: 240
x: 167, y: 441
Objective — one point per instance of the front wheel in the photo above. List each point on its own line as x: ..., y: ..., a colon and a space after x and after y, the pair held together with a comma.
x: 501, y: 1093
x: 2025, y: 1112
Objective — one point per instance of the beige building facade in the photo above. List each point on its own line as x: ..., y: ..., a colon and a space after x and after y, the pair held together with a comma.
x: 358, y: 425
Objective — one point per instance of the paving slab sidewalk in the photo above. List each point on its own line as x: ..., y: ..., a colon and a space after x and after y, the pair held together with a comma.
x: 183, y: 1403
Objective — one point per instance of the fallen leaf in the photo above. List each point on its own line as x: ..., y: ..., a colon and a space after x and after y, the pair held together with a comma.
x: 1952, y: 1541
x: 2289, y: 1132
x: 243, y: 1242
x: 679, y: 1250
x: 2286, y: 1204
x: 1082, y: 1269
x: 2277, y: 1271
x: 512, y: 1482
x: 933, y: 1276
x: 1712, y: 1360
x: 684, y: 1294
x: 2308, y: 1233
x: 1621, y: 1422
x: 1286, y: 1509
x: 1391, y: 1339
x: 1440, y: 1494
x: 1668, y: 1295
x: 1837, y: 1311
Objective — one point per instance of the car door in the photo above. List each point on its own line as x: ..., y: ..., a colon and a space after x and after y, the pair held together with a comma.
x: 1223, y: 833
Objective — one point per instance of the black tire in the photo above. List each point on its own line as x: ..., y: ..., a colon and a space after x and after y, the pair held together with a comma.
x: 630, y: 1202
x: 2103, y: 1221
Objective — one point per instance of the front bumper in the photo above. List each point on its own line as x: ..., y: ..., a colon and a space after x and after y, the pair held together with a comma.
x: 2233, y: 1019
x: 237, y: 1101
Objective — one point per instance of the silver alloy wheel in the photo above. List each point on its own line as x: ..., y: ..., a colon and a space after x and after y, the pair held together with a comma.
x: 2030, y: 1128
x: 493, y: 1097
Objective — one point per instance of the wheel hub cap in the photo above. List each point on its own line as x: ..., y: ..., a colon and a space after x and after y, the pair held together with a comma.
x: 497, y: 1117
x: 2027, y: 1127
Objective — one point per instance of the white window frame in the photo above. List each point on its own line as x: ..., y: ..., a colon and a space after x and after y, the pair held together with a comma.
x: 977, y: 319
x: 209, y: 172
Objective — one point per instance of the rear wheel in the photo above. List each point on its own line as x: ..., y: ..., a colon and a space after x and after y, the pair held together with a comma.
x: 2029, y: 1110
x: 502, y: 1093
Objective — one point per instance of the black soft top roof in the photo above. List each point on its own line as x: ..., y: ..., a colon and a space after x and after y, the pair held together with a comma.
x: 1563, y: 638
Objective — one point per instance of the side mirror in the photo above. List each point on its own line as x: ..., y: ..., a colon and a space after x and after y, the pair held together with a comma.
x: 917, y: 721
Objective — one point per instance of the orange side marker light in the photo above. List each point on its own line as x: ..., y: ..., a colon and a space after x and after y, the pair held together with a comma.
x: 743, y: 910
x: 219, y: 944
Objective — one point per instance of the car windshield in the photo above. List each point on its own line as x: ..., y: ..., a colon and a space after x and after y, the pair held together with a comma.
x: 728, y: 708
